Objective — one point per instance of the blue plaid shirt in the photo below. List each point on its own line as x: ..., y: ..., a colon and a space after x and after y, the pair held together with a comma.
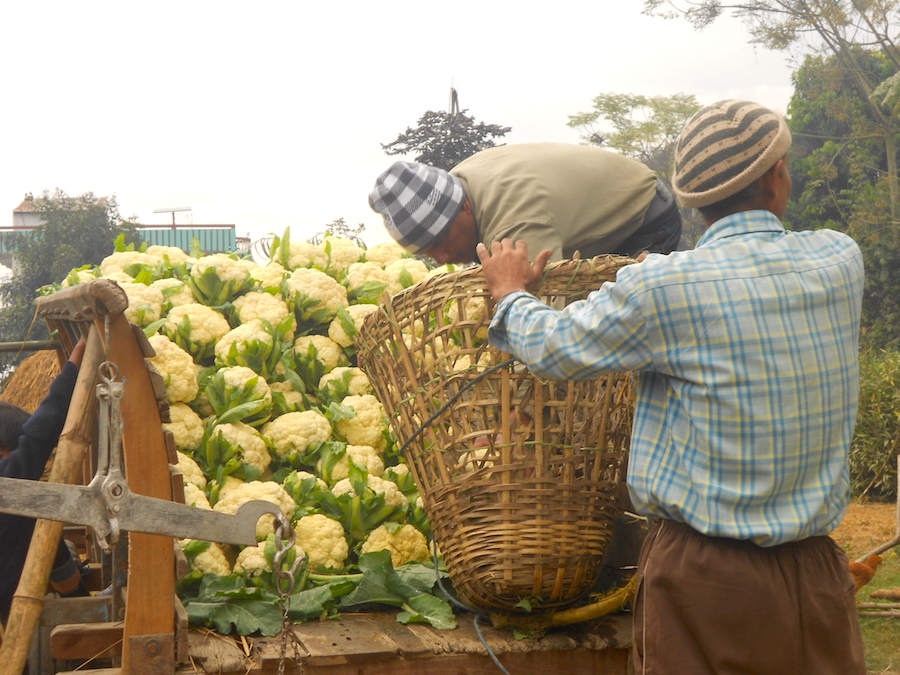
x: 746, y: 373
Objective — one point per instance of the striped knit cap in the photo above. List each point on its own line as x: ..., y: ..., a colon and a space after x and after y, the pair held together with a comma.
x: 418, y: 202
x: 723, y: 148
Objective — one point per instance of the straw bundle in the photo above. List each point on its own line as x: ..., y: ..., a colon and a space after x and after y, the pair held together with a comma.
x: 31, y: 380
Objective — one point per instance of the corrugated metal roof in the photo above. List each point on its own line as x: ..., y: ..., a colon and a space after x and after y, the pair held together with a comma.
x: 221, y: 239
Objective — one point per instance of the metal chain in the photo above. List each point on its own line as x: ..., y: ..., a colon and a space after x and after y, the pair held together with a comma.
x: 285, y: 582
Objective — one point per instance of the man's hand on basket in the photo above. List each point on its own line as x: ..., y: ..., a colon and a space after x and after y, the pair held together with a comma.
x: 507, y: 268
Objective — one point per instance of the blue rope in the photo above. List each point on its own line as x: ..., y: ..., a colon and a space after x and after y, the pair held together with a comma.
x: 454, y: 601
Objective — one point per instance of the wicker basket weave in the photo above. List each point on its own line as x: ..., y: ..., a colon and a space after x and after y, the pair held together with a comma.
x: 518, y: 475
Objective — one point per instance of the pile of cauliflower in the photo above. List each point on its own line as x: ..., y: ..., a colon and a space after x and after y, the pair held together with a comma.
x: 266, y: 400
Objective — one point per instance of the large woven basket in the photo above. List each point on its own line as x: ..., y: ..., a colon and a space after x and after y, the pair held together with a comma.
x: 518, y: 475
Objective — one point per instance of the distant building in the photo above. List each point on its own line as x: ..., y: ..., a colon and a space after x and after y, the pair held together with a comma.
x: 212, y: 238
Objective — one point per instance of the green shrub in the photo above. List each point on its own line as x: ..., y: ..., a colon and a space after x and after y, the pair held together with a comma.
x: 876, y: 441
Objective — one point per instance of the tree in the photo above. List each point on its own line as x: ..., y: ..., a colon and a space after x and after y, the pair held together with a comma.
x: 340, y: 228
x: 646, y: 128
x: 843, y: 29
x: 444, y: 139
x: 75, y: 231
x: 840, y: 180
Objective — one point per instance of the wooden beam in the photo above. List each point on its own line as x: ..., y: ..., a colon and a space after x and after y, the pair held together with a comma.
x: 84, y: 641
x: 150, y: 600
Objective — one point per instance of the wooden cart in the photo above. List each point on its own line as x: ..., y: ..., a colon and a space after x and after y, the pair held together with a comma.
x: 141, y: 628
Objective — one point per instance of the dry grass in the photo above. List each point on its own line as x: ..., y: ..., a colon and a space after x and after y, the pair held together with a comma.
x: 867, y: 525
x: 30, y: 382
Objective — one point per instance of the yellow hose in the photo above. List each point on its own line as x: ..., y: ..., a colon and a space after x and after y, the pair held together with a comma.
x: 536, y: 625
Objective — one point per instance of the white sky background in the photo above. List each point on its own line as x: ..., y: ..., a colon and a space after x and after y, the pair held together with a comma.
x: 271, y: 114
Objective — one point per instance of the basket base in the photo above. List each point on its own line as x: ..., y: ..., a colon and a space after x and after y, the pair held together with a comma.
x: 498, y: 553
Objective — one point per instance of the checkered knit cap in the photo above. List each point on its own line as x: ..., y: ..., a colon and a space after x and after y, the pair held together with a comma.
x: 723, y: 148
x: 418, y: 203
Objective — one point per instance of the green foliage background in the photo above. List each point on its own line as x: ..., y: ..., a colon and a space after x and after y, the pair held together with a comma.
x: 444, y: 139
x: 839, y: 169
x: 876, y: 442
x: 76, y: 231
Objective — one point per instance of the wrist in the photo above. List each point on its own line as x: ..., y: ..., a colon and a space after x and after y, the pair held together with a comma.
x: 503, y: 291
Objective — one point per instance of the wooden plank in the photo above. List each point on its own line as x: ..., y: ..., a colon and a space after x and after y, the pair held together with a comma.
x: 182, y: 628
x: 579, y: 662
x: 349, y: 640
x: 149, y: 607
x: 95, y: 671
x: 354, y: 641
x: 76, y: 610
x: 407, y: 641
x: 83, y: 641
x: 364, y: 644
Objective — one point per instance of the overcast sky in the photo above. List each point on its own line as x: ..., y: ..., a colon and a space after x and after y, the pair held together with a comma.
x: 271, y: 114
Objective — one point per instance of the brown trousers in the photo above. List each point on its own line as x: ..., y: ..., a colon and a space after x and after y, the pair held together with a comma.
x: 707, y: 605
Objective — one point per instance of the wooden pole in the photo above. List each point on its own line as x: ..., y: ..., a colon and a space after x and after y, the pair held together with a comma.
x: 148, y: 638
x: 73, y: 443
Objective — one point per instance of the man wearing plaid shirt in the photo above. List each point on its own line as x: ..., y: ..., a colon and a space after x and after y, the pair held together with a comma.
x: 745, y: 353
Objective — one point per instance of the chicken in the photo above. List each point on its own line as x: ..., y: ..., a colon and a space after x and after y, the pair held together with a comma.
x: 862, y: 572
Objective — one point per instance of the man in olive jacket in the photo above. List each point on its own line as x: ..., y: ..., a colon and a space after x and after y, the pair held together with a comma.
x: 565, y: 198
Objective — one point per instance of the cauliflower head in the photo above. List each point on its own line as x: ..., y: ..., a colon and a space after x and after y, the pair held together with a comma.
x: 171, y: 254
x: 262, y: 305
x: 120, y: 260
x: 216, y: 279
x: 344, y: 381
x: 186, y: 426
x: 256, y: 344
x: 324, y: 541
x: 392, y: 495
x: 406, y: 544
x: 285, y: 398
x: 385, y: 254
x: 268, y: 276
x: 175, y: 292
x: 252, y: 448
x: 327, y: 352
x: 296, y: 432
x: 252, y: 561
x: 301, y: 254
x: 211, y: 561
x: 367, y: 427
x: 343, y: 334
x: 77, y: 276
x: 363, y: 455
x: 194, y: 496
x: 223, y: 266
x: 315, y: 295
x: 341, y: 252
x: 360, y: 273
x: 190, y: 470
x: 206, y: 324
x: 404, y: 273
x: 144, y: 303
x: 269, y: 491
x: 177, y: 369
x: 238, y: 394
